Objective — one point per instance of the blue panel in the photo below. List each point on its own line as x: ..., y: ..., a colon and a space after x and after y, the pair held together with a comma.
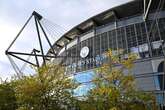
x: 85, y: 79
x: 156, y: 80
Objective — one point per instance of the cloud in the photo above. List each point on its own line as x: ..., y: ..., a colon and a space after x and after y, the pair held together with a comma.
x: 6, y: 32
x: 66, y: 13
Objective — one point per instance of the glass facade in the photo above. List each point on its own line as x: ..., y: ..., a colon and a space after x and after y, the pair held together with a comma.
x: 143, y: 38
x: 136, y: 38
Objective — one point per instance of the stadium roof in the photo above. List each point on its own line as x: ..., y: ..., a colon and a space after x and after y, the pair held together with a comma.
x: 132, y: 8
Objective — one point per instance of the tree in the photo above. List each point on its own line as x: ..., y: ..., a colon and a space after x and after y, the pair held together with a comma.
x: 49, y: 89
x: 7, y: 97
x: 114, y: 90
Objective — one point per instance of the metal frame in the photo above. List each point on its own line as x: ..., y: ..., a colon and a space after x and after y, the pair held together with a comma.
x: 34, y: 53
x: 146, y: 9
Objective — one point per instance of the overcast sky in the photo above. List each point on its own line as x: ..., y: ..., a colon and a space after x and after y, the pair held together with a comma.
x: 66, y: 13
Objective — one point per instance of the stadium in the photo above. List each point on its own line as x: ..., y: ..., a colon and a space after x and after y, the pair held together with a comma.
x: 136, y: 27
x: 122, y: 27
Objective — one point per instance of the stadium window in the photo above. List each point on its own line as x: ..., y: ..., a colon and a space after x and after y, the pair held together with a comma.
x: 96, y: 50
x: 104, y: 42
x: 131, y: 38
x: 142, y: 40
x: 112, y: 39
x: 121, y: 38
x: 154, y: 37
x: 161, y: 77
x: 161, y: 26
x: 83, y: 62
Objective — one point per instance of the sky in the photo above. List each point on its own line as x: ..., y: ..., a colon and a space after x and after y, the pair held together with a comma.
x: 66, y: 13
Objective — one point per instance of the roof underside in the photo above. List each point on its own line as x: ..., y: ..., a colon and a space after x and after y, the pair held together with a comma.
x: 126, y: 10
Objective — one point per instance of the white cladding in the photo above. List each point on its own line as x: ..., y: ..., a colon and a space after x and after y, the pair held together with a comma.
x: 62, y: 50
x: 75, y: 41
x: 82, y: 38
x: 87, y: 36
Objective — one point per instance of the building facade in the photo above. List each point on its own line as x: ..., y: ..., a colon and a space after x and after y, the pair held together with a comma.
x: 122, y: 27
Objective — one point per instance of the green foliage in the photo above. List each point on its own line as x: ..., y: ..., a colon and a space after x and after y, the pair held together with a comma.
x: 49, y: 89
x: 7, y: 97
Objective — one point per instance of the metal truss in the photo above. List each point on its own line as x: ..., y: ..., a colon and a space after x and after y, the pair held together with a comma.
x: 146, y: 8
x: 34, y: 53
x: 39, y: 27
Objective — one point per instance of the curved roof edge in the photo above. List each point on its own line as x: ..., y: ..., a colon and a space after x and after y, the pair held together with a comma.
x: 113, y: 14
